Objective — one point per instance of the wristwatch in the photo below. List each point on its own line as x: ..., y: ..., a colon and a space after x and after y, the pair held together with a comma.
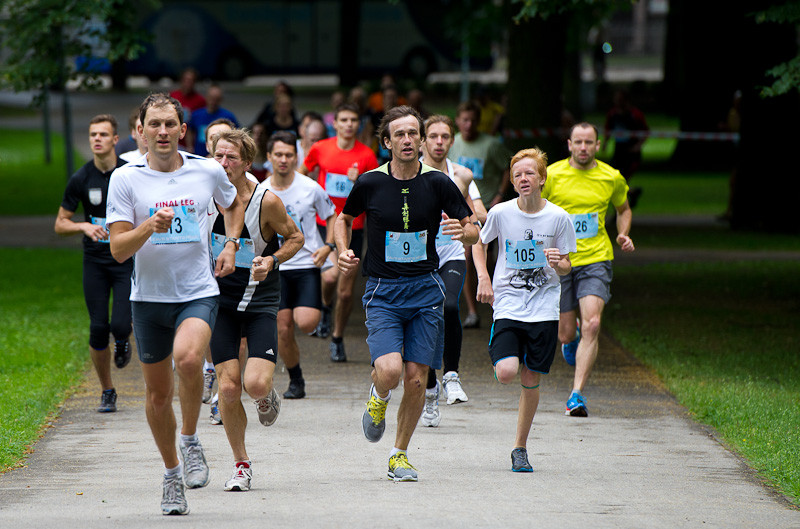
x: 478, y: 224
x: 277, y: 261
x: 234, y: 240
x: 331, y: 246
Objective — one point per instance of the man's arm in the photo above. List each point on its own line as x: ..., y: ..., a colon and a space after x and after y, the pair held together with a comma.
x: 233, y: 216
x: 303, y: 169
x: 274, y: 218
x: 485, y: 294
x: 125, y: 240
x: 624, y: 220
x: 66, y: 226
x: 324, y: 251
x: 343, y: 230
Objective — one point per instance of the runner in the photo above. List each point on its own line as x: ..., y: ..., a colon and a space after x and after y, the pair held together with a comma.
x: 403, y: 200
x: 535, y: 238
x: 248, y: 305
x: 584, y: 187
x: 301, y: 295
x: 439, y: 133
x: 157, y: 211
x: 101, y: 273
x: 340, y: 160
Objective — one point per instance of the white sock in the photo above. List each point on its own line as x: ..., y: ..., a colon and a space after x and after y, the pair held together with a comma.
x: 170, y: 472
x: 189, y: 440
x: 394, y: 451
x: 375, y: 392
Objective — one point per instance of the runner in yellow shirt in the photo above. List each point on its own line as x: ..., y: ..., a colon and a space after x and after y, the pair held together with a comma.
x: 585, y: 186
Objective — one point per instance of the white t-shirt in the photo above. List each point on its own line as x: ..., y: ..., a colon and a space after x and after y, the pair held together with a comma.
x: 304, y: 200
x: 525, y: 287
x: 171, y: 267
x: 131, y: 156
x: 448, y: 249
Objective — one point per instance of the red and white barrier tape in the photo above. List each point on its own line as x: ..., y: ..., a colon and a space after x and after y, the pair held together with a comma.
x: 544, y: 132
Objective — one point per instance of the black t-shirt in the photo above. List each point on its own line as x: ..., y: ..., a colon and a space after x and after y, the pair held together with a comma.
x: 403, y: 219
x: 89, y: 186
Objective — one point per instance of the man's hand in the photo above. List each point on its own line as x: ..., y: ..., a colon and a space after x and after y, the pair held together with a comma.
x: 452, y: 228
x: 626, y: 243
x: 348, y: 262
x: 261, y: 267
x: 94, y: 231
x: 485, y: 292
x: 226, y: 262
x: 352, y: 173
x: 162, y: 220
x: 321, y: 254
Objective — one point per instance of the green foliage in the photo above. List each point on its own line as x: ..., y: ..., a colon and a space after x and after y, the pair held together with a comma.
x: 723, y: 338
x: 31, y: 186
x: 787, y: 74
x: 42, y: 36
x: 547, y: 8
x: 43, y: 336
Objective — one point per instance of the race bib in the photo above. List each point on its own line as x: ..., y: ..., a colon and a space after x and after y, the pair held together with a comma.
x: 184, y: 227
x: 404, y: 247
x: 338, y: 185
x: 473, y: 164
x: 99, y: 221
x: 524, y: 255
x: 244, y: 255
x: 586, y: 224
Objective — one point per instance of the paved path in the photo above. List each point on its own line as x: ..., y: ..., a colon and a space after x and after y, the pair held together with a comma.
x: 637, y: 461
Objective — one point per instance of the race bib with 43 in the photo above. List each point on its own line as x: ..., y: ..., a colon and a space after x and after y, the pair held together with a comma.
x: 184, y: 227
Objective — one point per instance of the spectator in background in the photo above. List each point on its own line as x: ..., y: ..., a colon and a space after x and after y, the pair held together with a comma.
x: 202, y: 117
x: 390, y: 100
x: 492, y: 113
x: 128, y: 143
x: 189, y: 98
x: 337, y: 98
x: 283, y: 117
x: 416, y: 101
x: 261, y: 167
x: 312, y: 129
x: 622, y: 118
x: 141, y: 144
x: 266, y: 114
x: 365, y: 133
x: 375, y: 101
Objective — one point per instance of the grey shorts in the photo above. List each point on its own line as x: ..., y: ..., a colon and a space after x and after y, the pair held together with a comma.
x: 154, y: 324
x: 587, y: 280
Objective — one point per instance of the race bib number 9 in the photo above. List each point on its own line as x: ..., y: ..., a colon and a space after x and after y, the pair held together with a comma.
x: 184, y: 227
x: 523, y: 255
x: 338, y: 185
x: 244, y: 255
x: 406, y: 247
x: 586, y: 225
x: 99, y: 221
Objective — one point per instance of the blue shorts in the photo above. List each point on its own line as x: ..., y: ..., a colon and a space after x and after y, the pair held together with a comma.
x: 405, y: 315
x: 154, y: 324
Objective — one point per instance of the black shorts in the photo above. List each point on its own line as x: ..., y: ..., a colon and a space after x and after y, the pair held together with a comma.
x: 301, y: 288
x: 260, y: 329
x: 356, y: 239
x: 534, y: 343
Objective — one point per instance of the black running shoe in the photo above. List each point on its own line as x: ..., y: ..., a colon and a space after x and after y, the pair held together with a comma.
x: 337, y: 352
x: 297, y: 389
x: 108, y: 401
x: 122, y: 353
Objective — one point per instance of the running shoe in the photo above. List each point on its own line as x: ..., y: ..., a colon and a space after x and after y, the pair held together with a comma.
x: 568, y: 350
x: 373, y: 422
x: 122, y: 353
x: 216, y: 418
x: 195, y: 467
x: 519, y: 460
x: 430, y: 414
x: 173, y: 498
x: 240, y: 481
x: 268, y: 408
x: 209, y: 376
x: 472, y: 321
x: 576, y: 405
x: 453, y: 391
x: 337, y: 352
x: 400, y: 469
x: 323, y: 329
x: 297, y: 389
x: 108, y: 401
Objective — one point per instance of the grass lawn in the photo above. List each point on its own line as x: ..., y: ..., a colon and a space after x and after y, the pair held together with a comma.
x: 723, y: 337
x: 31, y: 186
x: 44, y: 339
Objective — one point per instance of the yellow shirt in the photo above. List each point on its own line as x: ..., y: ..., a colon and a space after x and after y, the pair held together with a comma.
x: 585, y: 195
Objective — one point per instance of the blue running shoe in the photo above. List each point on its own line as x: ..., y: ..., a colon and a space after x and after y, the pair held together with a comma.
x: 576, y: 405
x: 568, y: 350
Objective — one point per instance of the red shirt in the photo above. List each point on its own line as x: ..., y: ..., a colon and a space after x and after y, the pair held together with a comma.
x: 191, y: 101
x: 333, y: 164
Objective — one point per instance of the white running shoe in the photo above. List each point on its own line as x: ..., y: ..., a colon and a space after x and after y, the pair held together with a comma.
x: 195, y: 467
x: 240, y: 481
x: 452, y: 388
x: 173, y: 498
x: 430, y: 414
x: 209, y: 376
x: 268, y: 408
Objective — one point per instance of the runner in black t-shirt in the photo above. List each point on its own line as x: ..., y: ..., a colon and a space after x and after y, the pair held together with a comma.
x: 101, y: 273
x: 403, y: 201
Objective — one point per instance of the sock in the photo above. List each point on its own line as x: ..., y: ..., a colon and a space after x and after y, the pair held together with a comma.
x: 295, y: 373
x: 575, y: 392
x: 208, y: 366
x: 171, y: 472
x: 337, y: 339
x: 395, y: 450
x: 190, y: 440
x: 375, y: 392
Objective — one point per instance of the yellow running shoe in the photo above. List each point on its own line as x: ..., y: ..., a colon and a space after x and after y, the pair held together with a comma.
x: 373, y: 422
x: 400, y: 469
